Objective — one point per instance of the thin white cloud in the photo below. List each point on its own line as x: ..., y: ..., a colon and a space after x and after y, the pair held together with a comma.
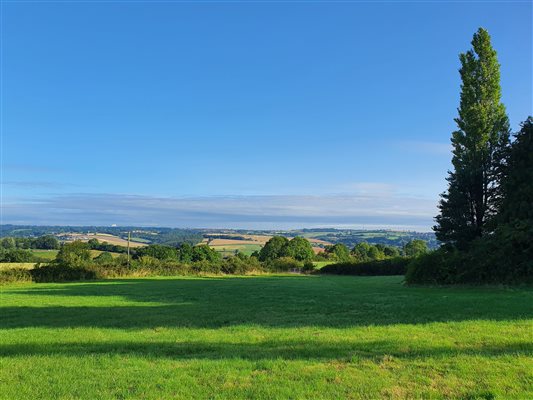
x: 370, y: 209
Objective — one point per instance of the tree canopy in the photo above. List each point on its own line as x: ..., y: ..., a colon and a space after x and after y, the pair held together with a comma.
x: 479, y: 146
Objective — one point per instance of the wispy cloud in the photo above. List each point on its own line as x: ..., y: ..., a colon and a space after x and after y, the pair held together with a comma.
x: 371, y: 209
x: 37, y: 184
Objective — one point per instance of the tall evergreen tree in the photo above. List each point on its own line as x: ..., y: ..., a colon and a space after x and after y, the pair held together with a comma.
x: 479, y: 146
x: 517, y: 182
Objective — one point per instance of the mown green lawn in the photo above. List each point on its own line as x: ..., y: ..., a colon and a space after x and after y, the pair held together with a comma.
x: 264, y: 337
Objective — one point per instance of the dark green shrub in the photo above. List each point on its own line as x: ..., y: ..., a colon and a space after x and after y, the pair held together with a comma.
x: 505, y: 257
x: 437, y: 267
x: 61, y: 273
x: 390, y: 266
x: 284, y: 264
x: 308, y: 267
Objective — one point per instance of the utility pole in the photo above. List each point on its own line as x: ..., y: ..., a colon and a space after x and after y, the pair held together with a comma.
x: 129, y: 238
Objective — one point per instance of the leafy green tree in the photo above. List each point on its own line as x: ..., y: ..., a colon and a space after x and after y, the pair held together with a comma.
x: 203, y: 252
x: 478, y: 148
x: 338, y: 252
x: 13, y: 255
x: 8, y: 243
x: 415, y: 248
x: 93, y: 243
x: 274, y: 248
x: 375, y: 253
x: 185, y: 253
x: 391, y: 251
x: 299, y: 248
x: 517, y: 183
x: 74, y: 254
x: 47, y: 242
x: 360, y: 251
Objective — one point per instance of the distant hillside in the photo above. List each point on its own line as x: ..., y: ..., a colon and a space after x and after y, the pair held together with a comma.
x: 174, y: 236
x: 168, y: 236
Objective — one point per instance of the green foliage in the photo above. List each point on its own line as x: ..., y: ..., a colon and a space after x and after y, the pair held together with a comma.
x: 390, y: 266
x: 47, y: 242
x: 274, y: 248
x: 75, y: 254
x: 62, y: 273
x: 338, y: 252
x: 104, y: 258
x: 185, y: 253
x: 95, y: 244
x: 241, y: 265
x: 415, y: 248
x: 204, y: 253
x: 157, y: 251
x: 7, y: 243
x: 363, y: 252
x: 517, y: 182
x: 15, y: 275
x: 13, y: 255
x: 284, y: 264
x: 299, y: 248
x: 479, y: 146
x: 506, y: 254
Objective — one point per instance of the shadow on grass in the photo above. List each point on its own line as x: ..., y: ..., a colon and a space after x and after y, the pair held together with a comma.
x: 377, y: 351
x: 264, y: 301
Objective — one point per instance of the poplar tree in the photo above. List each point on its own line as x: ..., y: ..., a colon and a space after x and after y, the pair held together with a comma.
x: 479, y: 146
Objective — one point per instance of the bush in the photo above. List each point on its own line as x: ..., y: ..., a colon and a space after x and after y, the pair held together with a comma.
x: 284, y: 264
x: 390, y: 266
x: 496, y: 259
x: 437, y: 267
x: 206, y: 267
x: 308, y: 267
x: 74, y: 255
x: 16, y: 256
x: 240, y: 265
x: 15, y: 275
x: 61, y: 273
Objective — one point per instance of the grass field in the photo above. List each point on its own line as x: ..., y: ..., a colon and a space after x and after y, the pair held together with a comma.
x: 264, y: 337
x: 230, y: 249
x: 47, y: 254
x: 322, y: 264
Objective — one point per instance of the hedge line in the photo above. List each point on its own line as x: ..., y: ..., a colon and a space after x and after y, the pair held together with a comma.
x: 387, y: 267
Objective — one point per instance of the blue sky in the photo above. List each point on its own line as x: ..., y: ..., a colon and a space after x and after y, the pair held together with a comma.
x: 241, y: 114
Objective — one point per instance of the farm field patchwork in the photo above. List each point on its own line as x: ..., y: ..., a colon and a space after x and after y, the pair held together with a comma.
x: 264, y: 337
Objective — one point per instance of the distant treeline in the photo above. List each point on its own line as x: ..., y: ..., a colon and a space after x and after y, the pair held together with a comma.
x: 168, y: 236
x: 75, y: 260
x: 46, y: 242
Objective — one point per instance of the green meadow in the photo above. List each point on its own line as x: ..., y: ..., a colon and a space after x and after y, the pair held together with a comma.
x: 265, y: 337
x: 45, y: 254
x: 230, y: 249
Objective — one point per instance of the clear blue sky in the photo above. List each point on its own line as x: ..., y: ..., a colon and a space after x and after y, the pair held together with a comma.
x: 241, y: 114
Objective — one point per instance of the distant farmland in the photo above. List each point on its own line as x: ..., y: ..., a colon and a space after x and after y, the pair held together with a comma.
x: 228, y: 244
x: 101, y: 237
